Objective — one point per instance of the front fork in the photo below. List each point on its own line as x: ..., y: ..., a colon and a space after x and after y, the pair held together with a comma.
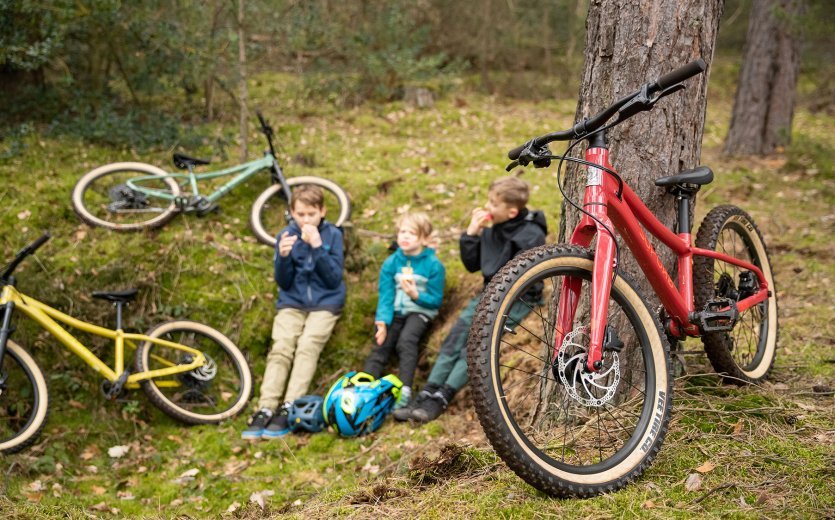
x: 5, y: 331
x: 604, y: 264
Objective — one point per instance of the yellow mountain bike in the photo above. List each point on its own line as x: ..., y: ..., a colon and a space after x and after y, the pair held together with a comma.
x: 190, y: 371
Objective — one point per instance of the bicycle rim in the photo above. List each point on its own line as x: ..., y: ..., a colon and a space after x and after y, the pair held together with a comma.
x: 23, y: 401
x: 550, y: 423
x: 113, y: 197
x: 211, y: 393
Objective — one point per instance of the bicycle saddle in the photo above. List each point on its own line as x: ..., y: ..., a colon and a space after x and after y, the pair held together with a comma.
x: 125, y: 296
x: 700, y: 175
x: 182, y: 161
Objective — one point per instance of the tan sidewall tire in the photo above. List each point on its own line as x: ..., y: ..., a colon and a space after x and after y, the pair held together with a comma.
x: 496, y: 419
x: 31, y: 432
x: 160, y: 400
x: 90, y: 177
x: 265, y: 237
x: 715, y: 343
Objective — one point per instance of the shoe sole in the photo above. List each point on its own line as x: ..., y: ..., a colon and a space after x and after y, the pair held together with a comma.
x: 274, y: 435
x: 252, y: 436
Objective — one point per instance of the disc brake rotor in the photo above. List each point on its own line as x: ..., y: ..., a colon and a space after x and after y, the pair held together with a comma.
x: 124, y: 197
x: 587, y: 388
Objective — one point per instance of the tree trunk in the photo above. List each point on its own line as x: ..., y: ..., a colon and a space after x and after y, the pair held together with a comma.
x: 244, y: 93
x: 764, y: 105
x: 628, y: 43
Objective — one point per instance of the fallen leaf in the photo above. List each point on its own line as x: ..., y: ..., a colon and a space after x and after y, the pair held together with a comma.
x: 36, y: 486
x: 193, y: 472
x: 75, y: 404
x: 707, y: 467
x: 738, y: 427
x: 176, y: 502
x: 693, y: 482
x: 98, y: 490
x: 649, y: 504
x: 234, y: 467
x: 117, y: 452
x: 23, y: 215
x: 101, y: 506
x: 233, y: 507
x: 34, y: 497
x: 260, y: 497
x: 125, y: 495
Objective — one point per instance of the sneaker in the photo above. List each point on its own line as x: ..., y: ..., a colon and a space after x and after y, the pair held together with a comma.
x: 279, y: 425
x: 434, y: 405
x: 405, y: 413
x: 405, y: 396
x: 257, y: 423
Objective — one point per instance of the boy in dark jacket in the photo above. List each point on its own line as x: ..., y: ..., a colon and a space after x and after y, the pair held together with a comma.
x: 308, y: 270
x: 496, y: 234
x: 411, y: 288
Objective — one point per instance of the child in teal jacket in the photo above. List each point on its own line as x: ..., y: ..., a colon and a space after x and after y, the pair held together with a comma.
x: 411, y: 288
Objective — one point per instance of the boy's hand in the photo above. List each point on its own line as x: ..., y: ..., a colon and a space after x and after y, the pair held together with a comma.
x: 285, y: 244
x: 380, y: 335
x: 478, y: 221
x: 409, y: 287
x: 310, y: 234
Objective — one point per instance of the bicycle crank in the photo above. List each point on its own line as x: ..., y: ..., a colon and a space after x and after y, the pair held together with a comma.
x: 588, y: 388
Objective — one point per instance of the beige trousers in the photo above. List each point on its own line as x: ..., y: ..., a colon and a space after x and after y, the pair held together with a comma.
x: 298, y: 339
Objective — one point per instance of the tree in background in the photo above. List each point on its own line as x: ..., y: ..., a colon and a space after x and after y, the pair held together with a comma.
x: 765, y: 95
x: 628, y: 44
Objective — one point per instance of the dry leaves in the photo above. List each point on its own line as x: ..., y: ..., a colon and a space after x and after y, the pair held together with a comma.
x: 260, y: 497
x: 707, y: 467
x: 693, y: 482
x: 117, y: 452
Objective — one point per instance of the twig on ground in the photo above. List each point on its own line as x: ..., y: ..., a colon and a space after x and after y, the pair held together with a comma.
x: 727, y: 485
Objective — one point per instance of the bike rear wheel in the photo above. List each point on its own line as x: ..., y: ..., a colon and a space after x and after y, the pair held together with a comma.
x: 103, y: 198
x: 268, y: 215
x: 24, y: 399
x: 745, y: 354
x: 217, y: 391
x: 565, y: 431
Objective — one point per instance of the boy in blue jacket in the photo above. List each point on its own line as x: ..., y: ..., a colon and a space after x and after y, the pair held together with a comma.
x: 411, y: 288
x: 308, y: 270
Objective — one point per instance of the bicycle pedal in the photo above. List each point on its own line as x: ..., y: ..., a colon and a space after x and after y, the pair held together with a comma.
x: 718, y: 315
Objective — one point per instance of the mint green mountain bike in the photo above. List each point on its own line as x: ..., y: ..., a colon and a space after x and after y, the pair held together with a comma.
x: 130, y: 196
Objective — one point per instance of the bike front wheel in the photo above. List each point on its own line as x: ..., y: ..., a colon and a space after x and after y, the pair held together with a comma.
x: 217, y: 391
x: 270, y: 210
x: 103, y: 197
x: 24, y: 400
x: 746, y: 353
x: 566, y: 431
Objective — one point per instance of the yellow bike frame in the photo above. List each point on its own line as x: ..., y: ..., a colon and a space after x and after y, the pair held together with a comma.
x: 46, y: 317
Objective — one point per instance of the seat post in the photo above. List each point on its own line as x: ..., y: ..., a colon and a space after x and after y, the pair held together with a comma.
x: 119, y: 314
x: 684, y: 196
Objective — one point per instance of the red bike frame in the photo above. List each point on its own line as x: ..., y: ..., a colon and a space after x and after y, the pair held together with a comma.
x: 628, y: 213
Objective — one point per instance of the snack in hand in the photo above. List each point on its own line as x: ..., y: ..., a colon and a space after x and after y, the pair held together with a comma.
x: 305, y: 236
x: 407, y: 273
x: 488, y: 220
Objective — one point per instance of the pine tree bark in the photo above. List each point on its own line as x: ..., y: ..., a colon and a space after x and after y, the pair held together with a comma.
x: 244, y: 93
x: 630, y: 42
x: 764, y: 105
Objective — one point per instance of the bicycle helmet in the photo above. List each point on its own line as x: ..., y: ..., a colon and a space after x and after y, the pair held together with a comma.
x: 306, y: 414
x: 357, y: 404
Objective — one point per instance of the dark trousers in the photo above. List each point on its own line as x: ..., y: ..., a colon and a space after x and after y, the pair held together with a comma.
x: 403, y: 336
x: 451, y: 366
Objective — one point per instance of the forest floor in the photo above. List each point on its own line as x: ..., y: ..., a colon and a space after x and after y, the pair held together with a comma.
x: 764, y: 451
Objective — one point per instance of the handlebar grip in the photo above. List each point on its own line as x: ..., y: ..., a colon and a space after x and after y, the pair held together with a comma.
x: 39, y: 242
x: 261, y: 118
x: 514, y: 154
x: 682, y: 73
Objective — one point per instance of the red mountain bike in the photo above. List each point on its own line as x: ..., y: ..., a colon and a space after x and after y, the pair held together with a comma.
x: 576, y: 397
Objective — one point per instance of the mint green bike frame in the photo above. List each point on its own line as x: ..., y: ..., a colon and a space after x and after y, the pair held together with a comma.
x: 190, y: 178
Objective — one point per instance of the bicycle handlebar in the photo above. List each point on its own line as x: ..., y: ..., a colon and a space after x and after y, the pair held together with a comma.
x: 666, y: 84
x: 23, y: 253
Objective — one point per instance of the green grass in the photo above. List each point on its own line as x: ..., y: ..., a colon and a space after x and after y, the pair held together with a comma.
x: 773, y: 446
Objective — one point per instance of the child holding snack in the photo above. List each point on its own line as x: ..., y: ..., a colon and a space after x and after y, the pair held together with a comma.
x: 411, y: 288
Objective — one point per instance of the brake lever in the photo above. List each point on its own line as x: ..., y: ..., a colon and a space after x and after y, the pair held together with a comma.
x: 666, y: 92
x: 512, y: 165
